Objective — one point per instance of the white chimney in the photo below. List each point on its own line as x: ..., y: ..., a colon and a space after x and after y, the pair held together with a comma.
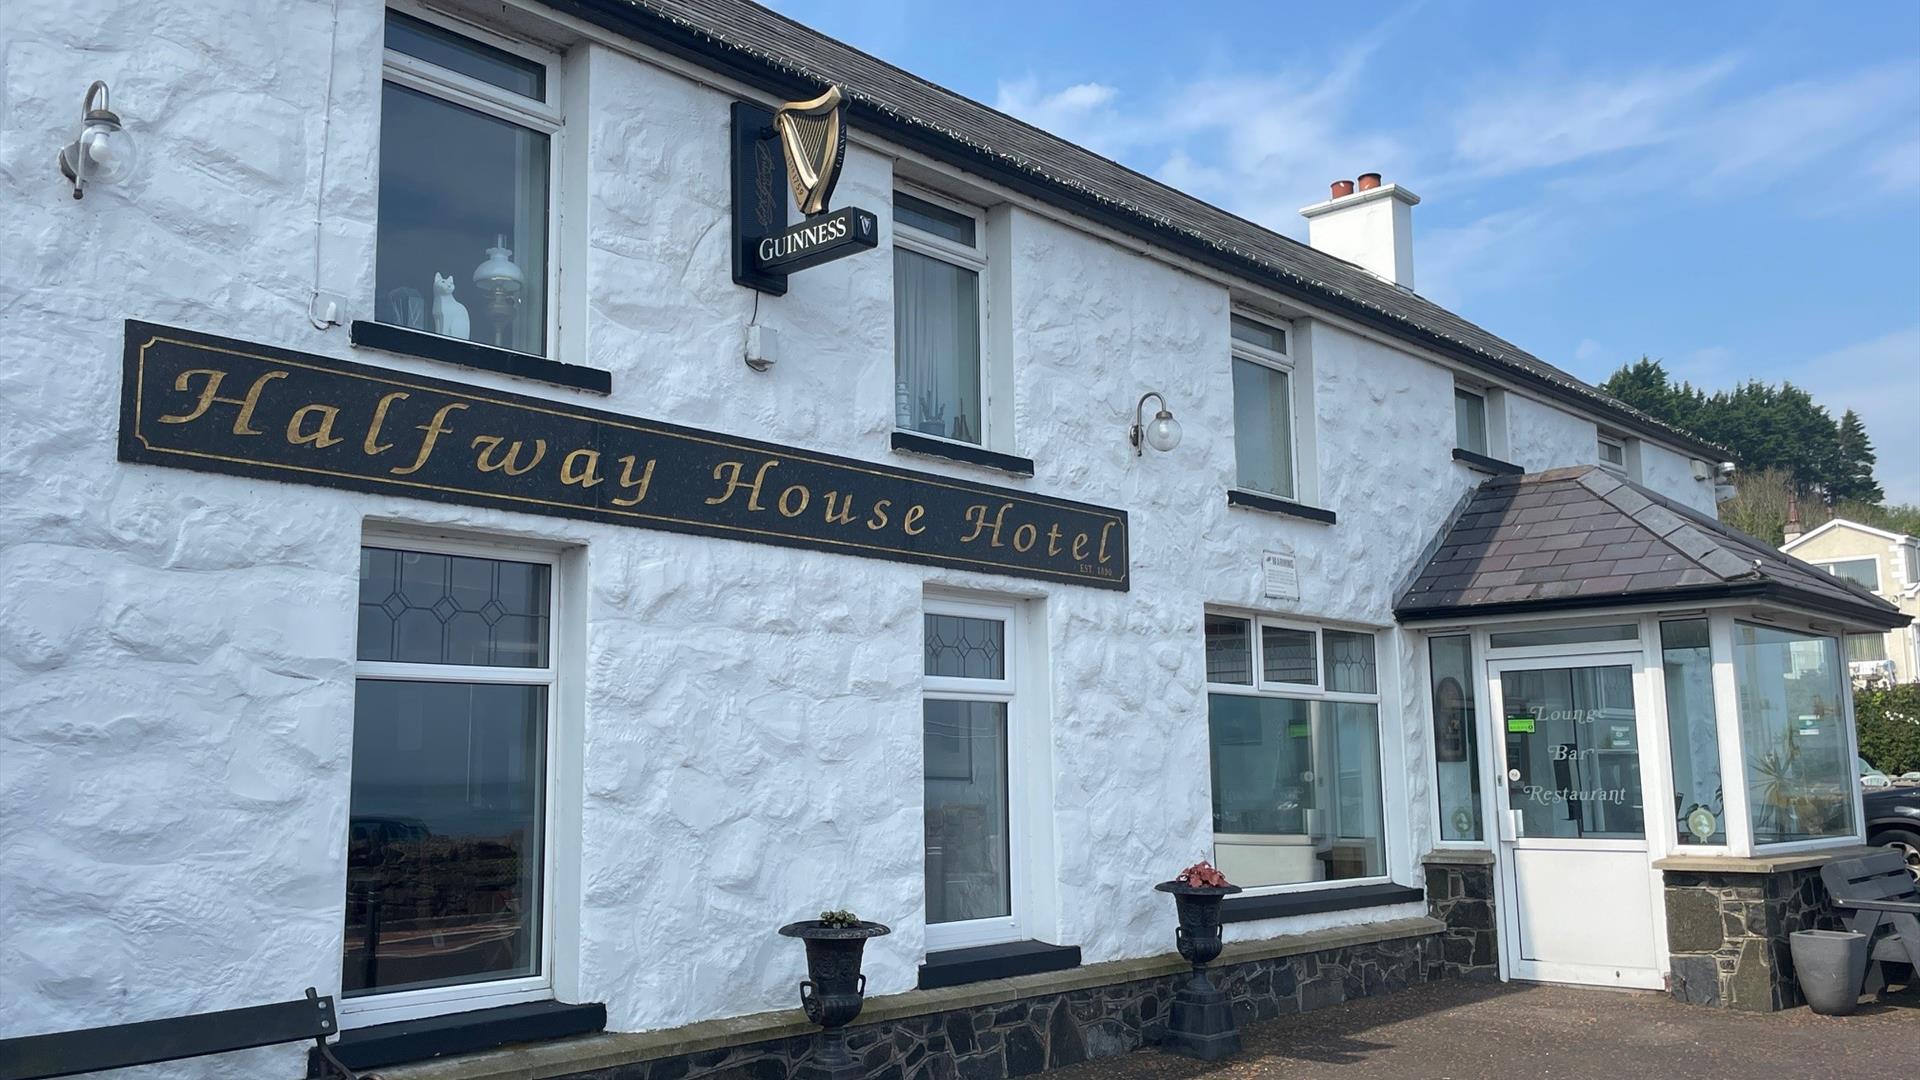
x: 1371, y: 226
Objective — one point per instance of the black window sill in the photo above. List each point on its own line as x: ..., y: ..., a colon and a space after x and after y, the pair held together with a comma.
x: 459, y: 1033
x: 1273, y: 504
x: 399, y: 339
x: 955, y: 967
x: 1283, y: 905
x: 1483, y: 463
x: 914, y: 443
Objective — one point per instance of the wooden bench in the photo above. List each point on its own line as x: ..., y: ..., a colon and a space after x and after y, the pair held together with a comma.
x: 69, y: 1053
x: 1878, y: 897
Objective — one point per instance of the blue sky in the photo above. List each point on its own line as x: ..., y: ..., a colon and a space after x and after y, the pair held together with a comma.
x: 1734, y: 188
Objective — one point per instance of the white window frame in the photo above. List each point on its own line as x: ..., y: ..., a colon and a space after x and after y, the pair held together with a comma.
x: 379, y: 1008
x: 1486, y: 416
x: 1016, y: 925
x: 972, y: 258
x: 1383, y: 659
x: 1827, y: 565
x: 544, y: 117
x: 1603, y: 440
x: 1277, y: 361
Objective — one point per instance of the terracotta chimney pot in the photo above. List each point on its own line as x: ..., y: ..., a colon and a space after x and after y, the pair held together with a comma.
x: 1369, y: 181
x: 1342, y: 189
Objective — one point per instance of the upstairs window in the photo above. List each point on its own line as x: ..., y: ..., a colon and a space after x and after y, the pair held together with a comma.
x: 1862, y: 572
x: 1470, y: 420
x: 1866, y: 648
x: 939, y: 258
x: 1613, y: 455
x: 1263, y: 422
x: 463, y: 243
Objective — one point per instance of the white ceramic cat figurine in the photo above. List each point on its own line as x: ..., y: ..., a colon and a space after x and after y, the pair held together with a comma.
x: 449, y: 315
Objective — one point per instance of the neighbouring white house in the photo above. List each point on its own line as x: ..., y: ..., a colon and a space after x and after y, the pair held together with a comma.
x: 463, y: 557
x: 1882, y: 562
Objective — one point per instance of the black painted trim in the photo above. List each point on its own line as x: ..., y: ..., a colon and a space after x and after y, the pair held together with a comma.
x: 472, y: 354
x: 460, y: 1033
x: 1485, y: 464
x: 1282, y: 905
x: 1764, y: 591
x: 766, y: 72
x: 1254, y: 500
x: 954, y: 967
x: 914, y: 443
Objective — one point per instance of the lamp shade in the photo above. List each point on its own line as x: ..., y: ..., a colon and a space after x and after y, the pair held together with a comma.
x: 499, y: 274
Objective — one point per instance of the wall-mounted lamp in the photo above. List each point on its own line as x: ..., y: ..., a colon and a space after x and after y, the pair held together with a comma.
x: 104, y: 152
x: 1162, y: 433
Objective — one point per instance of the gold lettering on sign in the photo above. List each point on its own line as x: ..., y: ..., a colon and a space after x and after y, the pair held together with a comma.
x: 1104, y: 530
x: 433, y: 428
x: 845, y: 513
x: 320, y: 438
x: 586, y: 474
x: 878, y: 519
x: 210, y: 394
x: 1030, y: 532
x: 1080, y: 542
x: 638, y: 487
x: 372, y: 444
x: 977, y: 515
x: 488, y: 444
x: 914, y: 513
x: 1053, y: 539
x: 732, y: 470
x: 805, y: 497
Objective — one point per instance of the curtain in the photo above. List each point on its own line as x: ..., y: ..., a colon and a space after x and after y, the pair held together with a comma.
x: 936, y: 320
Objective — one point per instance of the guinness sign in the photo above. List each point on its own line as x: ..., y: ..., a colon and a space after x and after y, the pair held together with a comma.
x: 808, y: 141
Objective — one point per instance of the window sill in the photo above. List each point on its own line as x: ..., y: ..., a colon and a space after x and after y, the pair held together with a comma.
x: 1273, y: 504
x: 954, y: 967
x: 913, y: 443
x: 460, y: 1033
x: 1283, y: 905
x: 446, y: 350
x: 1489, y: 465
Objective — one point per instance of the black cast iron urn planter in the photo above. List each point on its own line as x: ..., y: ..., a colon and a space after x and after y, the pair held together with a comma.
x: 834, y: 988
x: 1200, y: 1021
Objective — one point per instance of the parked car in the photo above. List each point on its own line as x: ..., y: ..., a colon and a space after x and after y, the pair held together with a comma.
x: 1893, y: 820
x: 1871, y: 777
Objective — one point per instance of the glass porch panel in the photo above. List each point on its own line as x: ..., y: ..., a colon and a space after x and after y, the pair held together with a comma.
x: 1693, y: 732
x: 445, y: 844
x: 1456, y: 738
x: 968, y: 859
x: 1800, y: 778
x: 1573, y: 752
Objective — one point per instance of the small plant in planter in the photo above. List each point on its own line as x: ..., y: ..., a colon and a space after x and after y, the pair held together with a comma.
x: 835, y: 987
x: 1200, y: 1023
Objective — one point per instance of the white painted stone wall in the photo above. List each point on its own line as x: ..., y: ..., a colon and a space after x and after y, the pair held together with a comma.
x: 176, y: 681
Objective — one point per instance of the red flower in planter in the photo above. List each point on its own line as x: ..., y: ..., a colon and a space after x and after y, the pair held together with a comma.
x: 1202, y: 874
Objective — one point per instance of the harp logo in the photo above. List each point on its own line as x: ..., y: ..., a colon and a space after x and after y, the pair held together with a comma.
x: 815, y: 141
x: 809, y: 138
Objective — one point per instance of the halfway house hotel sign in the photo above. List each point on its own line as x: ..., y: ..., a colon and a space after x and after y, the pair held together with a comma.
x: 212, y: 404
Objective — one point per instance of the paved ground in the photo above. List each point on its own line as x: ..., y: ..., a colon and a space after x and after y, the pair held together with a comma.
x: 1462, y: 1031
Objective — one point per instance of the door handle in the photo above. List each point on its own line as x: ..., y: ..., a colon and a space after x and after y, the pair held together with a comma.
x: 1511, y: 825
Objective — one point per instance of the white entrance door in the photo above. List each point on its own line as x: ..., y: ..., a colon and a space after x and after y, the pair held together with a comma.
x: 1577, y: 897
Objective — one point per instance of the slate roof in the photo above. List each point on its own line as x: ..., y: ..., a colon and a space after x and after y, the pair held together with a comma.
x: 769, y: 51
x: 1584, y: 538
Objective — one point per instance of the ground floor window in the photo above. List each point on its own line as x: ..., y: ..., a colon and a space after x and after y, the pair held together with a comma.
x: 1456, y: 737
x: 1295, y: 753
x: 447, y: 848
x: 1800, y: 774
x: 1693, y: 732
x: 968, y: 715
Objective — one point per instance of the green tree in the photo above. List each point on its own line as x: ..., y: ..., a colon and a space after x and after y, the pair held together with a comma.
x: 1854, y: 473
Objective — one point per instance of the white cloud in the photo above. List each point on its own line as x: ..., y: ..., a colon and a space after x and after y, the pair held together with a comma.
x: 1880, y: 379
x: 1083, y: 113
x: 1545, y: 122
x: 1897, y: 167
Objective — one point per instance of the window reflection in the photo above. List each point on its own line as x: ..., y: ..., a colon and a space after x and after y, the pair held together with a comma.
x: 1800, y: 780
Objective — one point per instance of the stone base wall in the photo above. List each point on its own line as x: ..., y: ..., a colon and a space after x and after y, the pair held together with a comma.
x: 1460, y: 894
x: 1727, y: 934
x: 1019, y: 1038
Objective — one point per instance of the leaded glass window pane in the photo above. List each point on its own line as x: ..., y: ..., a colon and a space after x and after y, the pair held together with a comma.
x: 1289, y: 656
x: 966, y: 648
x: 1350, y: 664
x: 429, y: 608
x: 1229, y: 650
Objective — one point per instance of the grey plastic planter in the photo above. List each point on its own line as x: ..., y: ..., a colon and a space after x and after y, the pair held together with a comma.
x: 1831, y: 965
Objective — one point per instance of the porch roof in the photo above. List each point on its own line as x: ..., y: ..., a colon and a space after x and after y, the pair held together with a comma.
x: 1583, y: 538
